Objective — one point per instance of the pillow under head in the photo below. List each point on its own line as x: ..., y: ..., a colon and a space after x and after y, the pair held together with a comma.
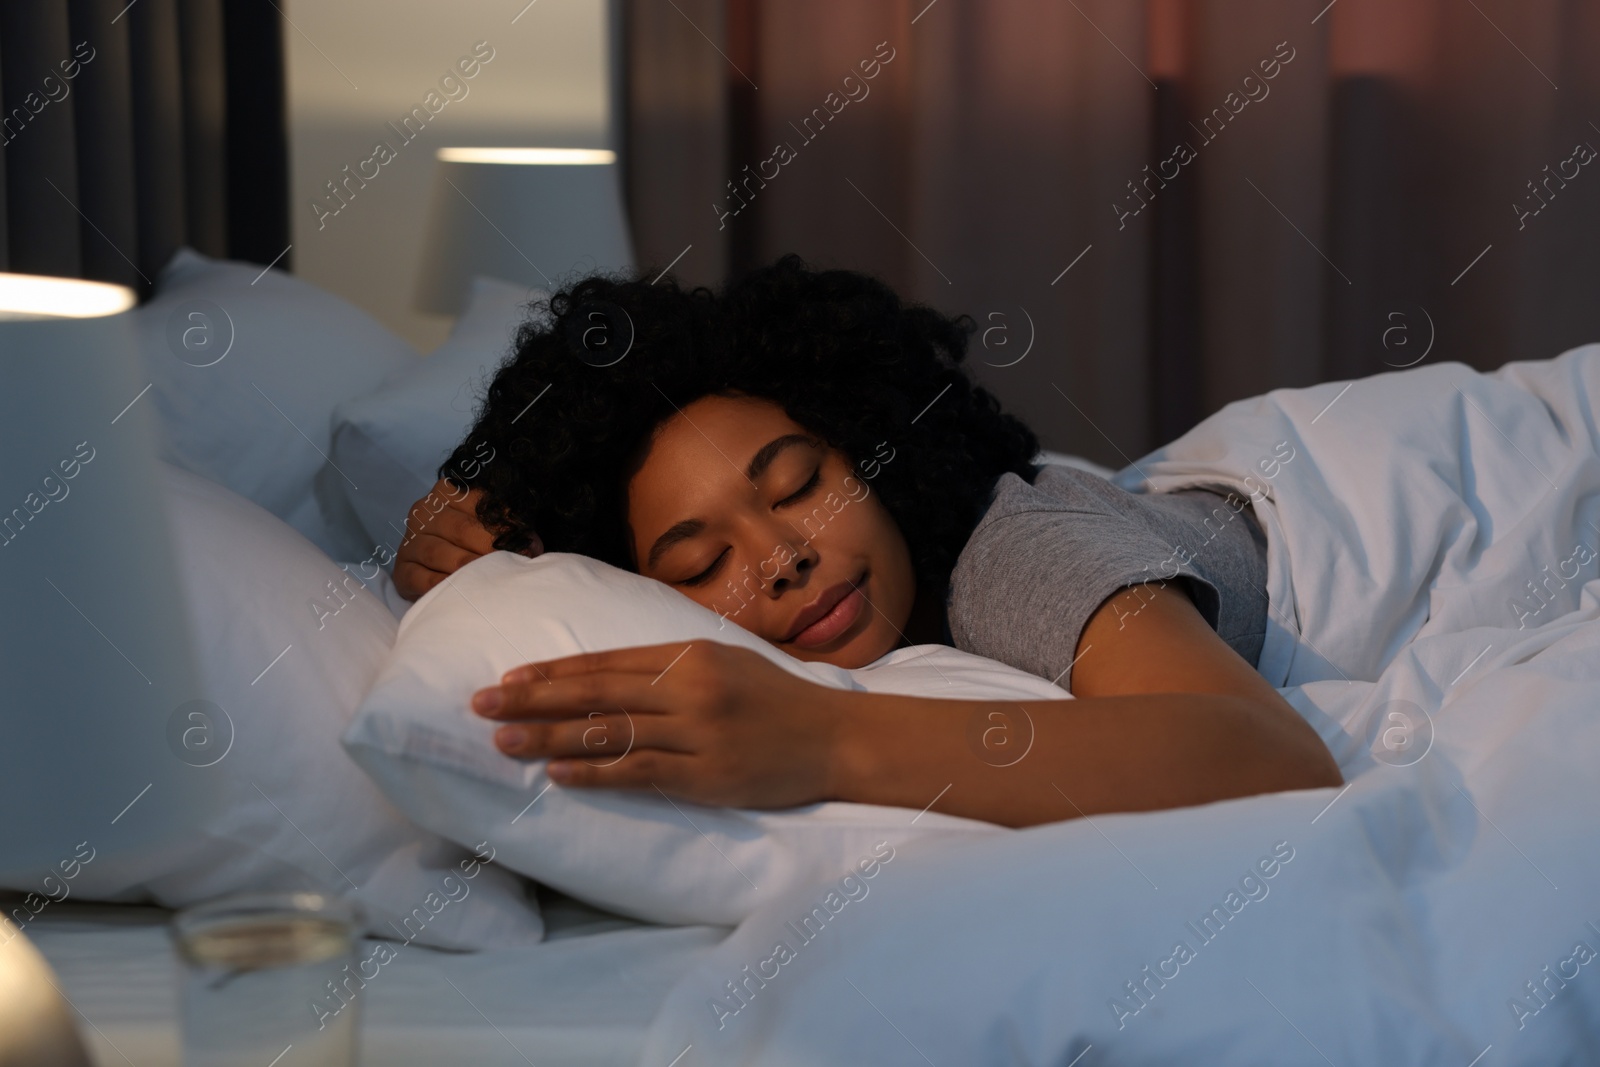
x: 636, y: 853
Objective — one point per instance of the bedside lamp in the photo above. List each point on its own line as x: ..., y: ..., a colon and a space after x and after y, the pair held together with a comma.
x: 35, y: 297
x: 97, y: 617
x: 528, y: 215
x: 36, y: 1025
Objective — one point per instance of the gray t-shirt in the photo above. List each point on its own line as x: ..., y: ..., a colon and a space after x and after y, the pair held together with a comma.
x: 1045, y: 556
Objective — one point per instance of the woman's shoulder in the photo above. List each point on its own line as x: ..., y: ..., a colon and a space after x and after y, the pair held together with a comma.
x: 1064, y: 516
x: 1075, y: 518
x: 1044, y: 556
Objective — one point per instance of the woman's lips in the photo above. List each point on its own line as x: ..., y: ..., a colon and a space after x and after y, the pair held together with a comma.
x: 839, y: 618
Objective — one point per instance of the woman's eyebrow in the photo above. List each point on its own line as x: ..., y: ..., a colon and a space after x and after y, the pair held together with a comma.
x: 769, y: 452
x: 680, y: 531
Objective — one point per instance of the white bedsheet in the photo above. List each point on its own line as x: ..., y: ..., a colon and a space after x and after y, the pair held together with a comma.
x: 584, y: 996
x: 1442, y: 909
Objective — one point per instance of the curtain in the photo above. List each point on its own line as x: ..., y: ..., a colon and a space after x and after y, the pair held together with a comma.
x: 1150, y: 208
x: 114, y: 135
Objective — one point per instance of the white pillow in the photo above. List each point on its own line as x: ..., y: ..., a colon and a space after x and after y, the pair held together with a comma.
x: 245, y: 369
x: 287, y: 643
x: 392, y: 440
x: 633, y: 852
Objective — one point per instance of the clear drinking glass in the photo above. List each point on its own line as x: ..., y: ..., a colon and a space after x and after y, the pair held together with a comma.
x: 266, y: 980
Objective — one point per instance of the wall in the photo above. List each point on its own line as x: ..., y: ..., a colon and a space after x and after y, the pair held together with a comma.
x: 354, y: 66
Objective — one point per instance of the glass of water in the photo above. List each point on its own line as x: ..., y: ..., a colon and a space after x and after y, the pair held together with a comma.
x: 267, y: 980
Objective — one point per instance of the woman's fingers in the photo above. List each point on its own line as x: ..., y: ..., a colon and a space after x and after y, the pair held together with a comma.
x: 673, y: 773
x: 412, y: 580
x: 654, y: 660
x: 564, y: 697
x: 441, y: 499
x: 457, y: 527
x: 427, y: 507
x: 439, y: 554
x: 615, y: 751
x: 596, y: 737
x: 461, y: 524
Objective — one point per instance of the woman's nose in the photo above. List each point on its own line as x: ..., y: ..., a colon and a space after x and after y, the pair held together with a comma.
x: 792, y: 561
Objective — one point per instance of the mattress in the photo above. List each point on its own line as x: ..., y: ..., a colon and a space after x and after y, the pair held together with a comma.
x: 583, y: 996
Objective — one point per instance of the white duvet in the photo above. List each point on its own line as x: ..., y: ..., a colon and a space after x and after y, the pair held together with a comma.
x: 1434, y: 540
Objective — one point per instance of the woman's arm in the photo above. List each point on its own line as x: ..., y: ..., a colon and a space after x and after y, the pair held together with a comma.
x: 1098, y: 754
x: 1168, y: 715
x: 720, y: 725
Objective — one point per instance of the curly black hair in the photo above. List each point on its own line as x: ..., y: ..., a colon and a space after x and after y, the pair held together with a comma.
x: 571, y: 413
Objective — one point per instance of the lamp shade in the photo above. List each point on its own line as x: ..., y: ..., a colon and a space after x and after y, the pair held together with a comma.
x: 95, y: 651
x: 528, y: 215
x: 36, y: 1026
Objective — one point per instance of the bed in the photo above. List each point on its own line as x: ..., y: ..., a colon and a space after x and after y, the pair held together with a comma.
x: 1434, y: 536
x: 1432, y: 565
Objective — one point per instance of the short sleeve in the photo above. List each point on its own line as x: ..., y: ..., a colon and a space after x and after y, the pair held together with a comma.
x: 1045, y: 557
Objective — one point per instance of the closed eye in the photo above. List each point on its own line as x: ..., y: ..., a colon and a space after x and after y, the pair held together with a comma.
x: 803, y: 491
x: 799, y: 494
x: 706, y: 575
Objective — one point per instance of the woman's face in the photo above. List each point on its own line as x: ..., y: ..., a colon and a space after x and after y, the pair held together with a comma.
x: 743, y: 511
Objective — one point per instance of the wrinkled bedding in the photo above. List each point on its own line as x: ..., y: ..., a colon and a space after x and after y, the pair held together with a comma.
x: 1434, y: 540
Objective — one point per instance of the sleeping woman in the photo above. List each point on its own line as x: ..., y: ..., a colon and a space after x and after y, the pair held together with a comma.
x: 804, y: 455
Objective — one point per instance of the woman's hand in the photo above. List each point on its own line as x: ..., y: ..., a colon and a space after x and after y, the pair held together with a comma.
x: 708, y: 722
x: 442, y: 536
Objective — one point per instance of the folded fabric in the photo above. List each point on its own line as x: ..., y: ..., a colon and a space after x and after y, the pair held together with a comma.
x: 1437, y: 497
x: 286, y: 643
x: 640, y: 854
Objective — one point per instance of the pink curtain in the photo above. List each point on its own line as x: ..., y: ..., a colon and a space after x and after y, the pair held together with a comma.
x: 1150, y: 208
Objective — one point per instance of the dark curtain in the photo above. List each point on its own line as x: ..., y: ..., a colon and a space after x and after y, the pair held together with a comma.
x: 129, y: 130
x: 675, y: 133
x: 1408, y: 180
